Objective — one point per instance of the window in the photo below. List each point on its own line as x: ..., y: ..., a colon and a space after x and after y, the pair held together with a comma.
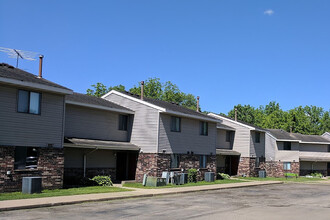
x: 175, y: 124
x: 329, y: 149
x: 287, y: 166
x: 229, y: 136
x: 202, y: 161
x: 286, y: 145
x: 203, y: 128
x: 175, y: 161
x: 257, y: 137
x: 26, y: 158
x: 28, y: 102
x: 123, y: 121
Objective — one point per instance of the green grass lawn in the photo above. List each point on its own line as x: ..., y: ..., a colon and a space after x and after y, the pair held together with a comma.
x: 200, y: 183
x: 62, y: 192
x: 299, y: 179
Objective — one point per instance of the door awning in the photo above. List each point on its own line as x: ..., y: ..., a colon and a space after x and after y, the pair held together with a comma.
x: 99, y: 144
x: 227, y: 152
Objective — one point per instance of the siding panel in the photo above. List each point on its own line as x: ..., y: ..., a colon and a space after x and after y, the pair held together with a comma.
x: 21, y: 129
x: 188, y: 139
x: 83, y: 122
x: 145, y: 124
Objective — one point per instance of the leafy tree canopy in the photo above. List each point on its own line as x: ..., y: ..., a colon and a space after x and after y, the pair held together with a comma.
x: 153, y: 88
x: 304, y: 120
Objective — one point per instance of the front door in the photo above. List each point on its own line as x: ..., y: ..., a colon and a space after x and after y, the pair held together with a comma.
x: 126, y: 165
x: 328, y: 169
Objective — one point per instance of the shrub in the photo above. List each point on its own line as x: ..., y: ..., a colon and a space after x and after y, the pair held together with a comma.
x: 223, y: 176
x: 290, y: 175
x: 192, y: 175
x: 102, y: 180
x: 319, y: 175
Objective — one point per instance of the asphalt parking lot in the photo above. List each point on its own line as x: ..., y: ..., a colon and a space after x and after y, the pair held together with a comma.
x: 284, y: 201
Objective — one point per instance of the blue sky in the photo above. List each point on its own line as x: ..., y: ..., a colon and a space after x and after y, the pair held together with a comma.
x: 227, y: 52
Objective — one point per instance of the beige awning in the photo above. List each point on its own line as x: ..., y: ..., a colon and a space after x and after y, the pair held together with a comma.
x: 314, y: 156
x: 98, y: 144
x: 227, y: 152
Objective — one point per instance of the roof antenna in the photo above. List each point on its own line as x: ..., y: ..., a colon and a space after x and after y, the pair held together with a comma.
x: 14, y: 53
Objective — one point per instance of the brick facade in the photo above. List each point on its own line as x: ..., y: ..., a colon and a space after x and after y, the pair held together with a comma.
x: 154, y: 164
x: 50, y: 168
x: 273, y: 168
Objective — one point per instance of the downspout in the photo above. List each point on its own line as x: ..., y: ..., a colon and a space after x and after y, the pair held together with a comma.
x: 85, y: 160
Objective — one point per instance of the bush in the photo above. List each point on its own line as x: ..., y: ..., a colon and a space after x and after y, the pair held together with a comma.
x: 102, y: 180
x: 192, y: 175
x: 223, y: 176
x: 291, y: 175
x: 319, y: 175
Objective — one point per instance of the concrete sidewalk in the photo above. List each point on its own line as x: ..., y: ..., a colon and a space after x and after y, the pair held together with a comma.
x: 138, y: 192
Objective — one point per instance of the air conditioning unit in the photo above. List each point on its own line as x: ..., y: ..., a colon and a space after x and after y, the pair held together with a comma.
x: 184, y: 178
x: 262, y: 174
x: 166, y: 175
x: 31, y: 185
x: 209, y: 176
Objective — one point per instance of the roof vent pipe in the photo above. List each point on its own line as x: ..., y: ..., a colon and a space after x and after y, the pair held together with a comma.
x: 142, y: 89
x: 40, y: 66
x: 197, y: 109
x: 235, y: 114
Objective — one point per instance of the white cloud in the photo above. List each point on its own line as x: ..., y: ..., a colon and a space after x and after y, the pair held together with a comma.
x: 269, y: 12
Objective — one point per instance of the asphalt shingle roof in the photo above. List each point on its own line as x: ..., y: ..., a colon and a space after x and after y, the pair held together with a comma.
x: 281, y: 134
x: 245, y: 123
x: 92, y: 100
x: 10, y: 72
x: 171, y: 106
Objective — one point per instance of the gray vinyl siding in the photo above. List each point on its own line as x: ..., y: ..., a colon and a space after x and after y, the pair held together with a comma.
x: 221, y: 140
x: 313, y: 147
x: 326, y: 135
x: 83, y: 122
x: 22, y: 129
x: 242, y: 138
x: 189, y: 139
x: 287, y: 155
x: 257, y: 149
x: 145, y: 124
x: 270, y: 147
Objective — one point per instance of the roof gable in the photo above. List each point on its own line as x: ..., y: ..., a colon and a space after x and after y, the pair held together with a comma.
x: 163, y: 106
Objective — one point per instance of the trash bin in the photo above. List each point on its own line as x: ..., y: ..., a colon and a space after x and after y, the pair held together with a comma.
x: 209, y: 176
x: 31, y: 185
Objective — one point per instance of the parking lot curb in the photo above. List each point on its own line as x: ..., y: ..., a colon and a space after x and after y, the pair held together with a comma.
x: 141, y: 193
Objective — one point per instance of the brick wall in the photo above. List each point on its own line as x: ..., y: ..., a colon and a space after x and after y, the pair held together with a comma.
x: 50, y: 168
x: 273, y: 168
x: 155, y: 164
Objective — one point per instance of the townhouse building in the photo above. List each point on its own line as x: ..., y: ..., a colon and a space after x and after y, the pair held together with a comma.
x: 31, y: 129
x: 171, y: 137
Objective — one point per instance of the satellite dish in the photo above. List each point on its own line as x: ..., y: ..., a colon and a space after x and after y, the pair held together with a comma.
x: 15, y: 53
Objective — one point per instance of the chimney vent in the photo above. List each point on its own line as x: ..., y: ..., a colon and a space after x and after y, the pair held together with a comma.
x: 142, y: 89
x: 197, y: 104
x: 235, y: 114
x: 40, y: 66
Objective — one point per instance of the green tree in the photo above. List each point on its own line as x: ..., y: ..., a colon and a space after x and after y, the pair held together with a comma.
x: 153, y: 88
x: 99, y: 89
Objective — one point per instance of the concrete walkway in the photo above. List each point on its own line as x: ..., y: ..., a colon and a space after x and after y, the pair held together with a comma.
x: 138, y: 192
